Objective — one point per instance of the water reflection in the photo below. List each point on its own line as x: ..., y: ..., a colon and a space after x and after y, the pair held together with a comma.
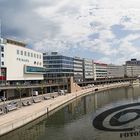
x: 75, y: 121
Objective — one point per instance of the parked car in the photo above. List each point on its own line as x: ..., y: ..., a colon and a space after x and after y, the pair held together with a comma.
x: 2, y: 98
x: 35, y: 93
x: 61, y: 92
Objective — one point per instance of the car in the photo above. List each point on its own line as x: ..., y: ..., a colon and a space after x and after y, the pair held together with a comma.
x: 35, y: 93
x: 2, y: 98
x: 61, y: 92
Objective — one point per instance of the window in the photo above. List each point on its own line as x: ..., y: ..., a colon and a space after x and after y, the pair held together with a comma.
x: 2, y: 48
x: 31, y: 54
x: 2, y: 63
x: 2, y: 55
x: 34, y: 55
x: 21, y: 52
x: 17, y: 51
x: 28, y: 53
x: 37, y: 55
x: 25, y: 53
x: 30, y: 69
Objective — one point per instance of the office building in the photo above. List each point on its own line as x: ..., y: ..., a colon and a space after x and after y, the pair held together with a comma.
x: 88, y: 71
x: 100, y: 71
x: 132, y: 70
x: 115, y: 71
x: 19, y: 63
x: 78, y: 69
x: 133, y: 62
x: 59, y: 67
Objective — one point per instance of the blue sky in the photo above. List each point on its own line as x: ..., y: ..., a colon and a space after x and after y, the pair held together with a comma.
x: 103, y: 30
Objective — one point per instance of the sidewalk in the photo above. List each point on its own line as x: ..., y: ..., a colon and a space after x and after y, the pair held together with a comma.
x: 24, y: 115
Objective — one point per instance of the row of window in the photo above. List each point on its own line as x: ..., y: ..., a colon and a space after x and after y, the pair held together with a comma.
x: 60, y: 70
x: 58, y: 75
x: 30, y: 69
x: 25, y: 53
x: 37, y: 63
x: 57, y: 57
x: 58, y: 61
x: 59, y: 66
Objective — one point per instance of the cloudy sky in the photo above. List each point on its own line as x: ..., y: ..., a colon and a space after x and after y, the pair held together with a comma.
x: 104, y: 30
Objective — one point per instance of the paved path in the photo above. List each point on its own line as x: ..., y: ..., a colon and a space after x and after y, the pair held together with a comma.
x: 19, y: 117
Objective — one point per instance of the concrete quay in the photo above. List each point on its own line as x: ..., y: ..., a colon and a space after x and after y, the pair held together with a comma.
x: 24, y: 115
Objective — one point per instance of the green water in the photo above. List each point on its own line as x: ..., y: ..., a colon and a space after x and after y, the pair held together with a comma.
x: 74, y: 121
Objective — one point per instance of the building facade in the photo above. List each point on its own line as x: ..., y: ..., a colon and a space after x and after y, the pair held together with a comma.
x: 100, y: 71
x: 132, y: 71
x: 18, y: 63
x: 115, y: 71
x: 58, y: 67
x: 78, y: 69
x: 133, y: 62
x: 88, y: 69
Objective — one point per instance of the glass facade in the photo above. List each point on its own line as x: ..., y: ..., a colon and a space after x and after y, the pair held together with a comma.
x: 58, y: 66
x: 30, y: 69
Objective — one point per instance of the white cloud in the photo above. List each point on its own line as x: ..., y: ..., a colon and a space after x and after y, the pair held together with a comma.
x: 66, y: 24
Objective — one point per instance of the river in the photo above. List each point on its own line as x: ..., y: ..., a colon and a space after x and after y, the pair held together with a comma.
x: 109, y: 115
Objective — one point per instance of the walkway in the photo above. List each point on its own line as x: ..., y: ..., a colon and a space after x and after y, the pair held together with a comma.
x: 24, y: 115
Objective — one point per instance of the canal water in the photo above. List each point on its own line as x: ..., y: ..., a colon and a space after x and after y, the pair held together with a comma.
x: 108, y: 115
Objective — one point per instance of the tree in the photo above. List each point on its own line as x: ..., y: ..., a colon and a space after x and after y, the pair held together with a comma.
x: 42, y: 87
x: 20, y: 90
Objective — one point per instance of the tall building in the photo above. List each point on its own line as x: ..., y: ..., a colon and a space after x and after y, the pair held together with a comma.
x: 115, y: 71
x: 18, y: 63
x: 88, y: 71
x: 132, y: 70
x: 58, y: 67
x: 133, y: 62
x: 100, y: 71
x: 78, y: 69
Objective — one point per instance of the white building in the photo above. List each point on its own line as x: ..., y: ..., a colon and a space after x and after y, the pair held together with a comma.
x: 115, y: 71
x: 78, y: 69
x: 132, y: 71
x: 18, y: 63
x: 100, y: 71
x: 88, y: 69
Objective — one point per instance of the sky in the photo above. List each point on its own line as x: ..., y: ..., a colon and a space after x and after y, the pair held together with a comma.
x: 103, y: 30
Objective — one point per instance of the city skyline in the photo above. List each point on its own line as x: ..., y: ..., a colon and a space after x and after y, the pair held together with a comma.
x: 106, y: 31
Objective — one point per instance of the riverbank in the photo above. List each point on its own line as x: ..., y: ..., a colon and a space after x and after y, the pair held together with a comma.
x: 24, y: 115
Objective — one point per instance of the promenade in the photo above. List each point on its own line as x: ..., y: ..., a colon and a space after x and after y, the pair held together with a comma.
x: 24, y: 115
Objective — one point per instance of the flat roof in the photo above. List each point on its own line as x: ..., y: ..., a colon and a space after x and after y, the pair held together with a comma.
x: 18, y: 43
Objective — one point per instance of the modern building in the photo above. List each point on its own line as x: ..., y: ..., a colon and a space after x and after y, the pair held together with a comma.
x: 58, y: 67
x: 132, y: 70
x: 78, y: 69
x: 19, y: 63
x: 115, y: 71
x: 100, y: 71
x: 88, y: 71
x: 133, y: 62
